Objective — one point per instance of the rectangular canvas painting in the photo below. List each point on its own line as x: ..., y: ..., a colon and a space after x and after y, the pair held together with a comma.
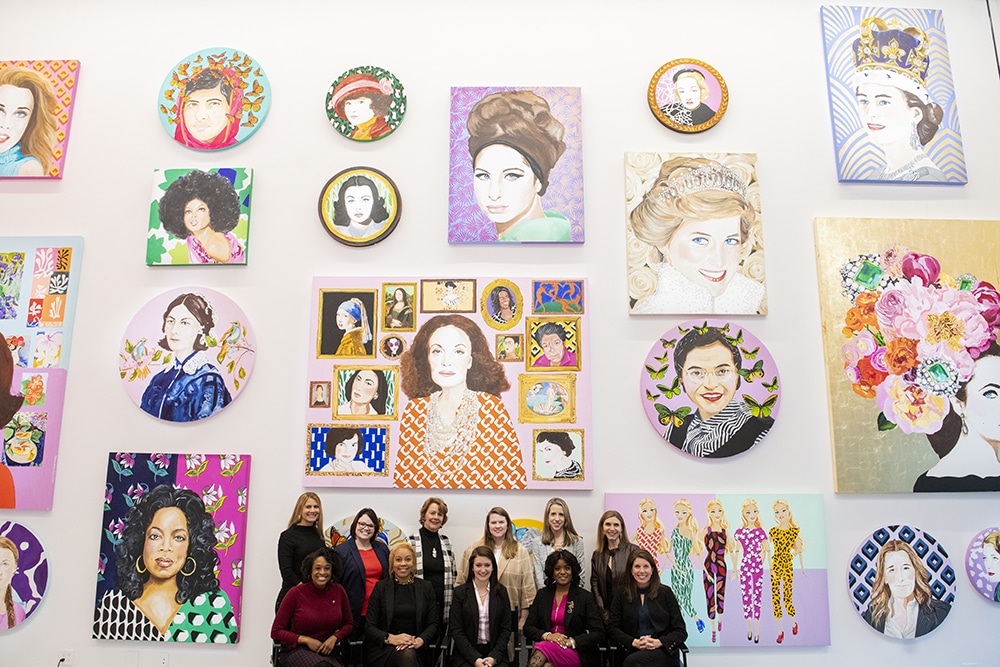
x: 173, y: 539
x: 516, y: 172
x: 756, y: 561
x: 448, y: 383
x: 36, y: 103
x: 910, y: 322
x: 892, y: 97
x: 693, y: 234
x: 39, y: 285
x: 199, y: 217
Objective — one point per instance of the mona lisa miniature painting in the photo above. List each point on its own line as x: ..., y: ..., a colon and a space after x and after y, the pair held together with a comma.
x: 911, y: 318
x: 694, y: 236
x: 516, y: 173
x: 36, y: 106
x: 892, y: 96
x: 173, y: 539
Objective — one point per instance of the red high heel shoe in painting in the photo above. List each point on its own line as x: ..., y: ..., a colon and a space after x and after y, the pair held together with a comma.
x: 795, y: 628
x: 781, y: 636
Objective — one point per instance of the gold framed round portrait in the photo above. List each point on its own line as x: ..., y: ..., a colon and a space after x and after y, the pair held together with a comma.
x: 501, y: 305
x: 688, y: 95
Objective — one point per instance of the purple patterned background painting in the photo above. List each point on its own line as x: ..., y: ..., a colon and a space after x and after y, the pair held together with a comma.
x: 981, y: 563
x: 31, y: 580
x: 466, y: 221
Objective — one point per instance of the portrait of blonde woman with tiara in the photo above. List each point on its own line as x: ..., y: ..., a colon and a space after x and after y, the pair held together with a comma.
x: 892, y: 98
x: 694, y: 235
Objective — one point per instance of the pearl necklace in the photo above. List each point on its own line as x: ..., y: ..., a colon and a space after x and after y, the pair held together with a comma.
x: 447, y: 446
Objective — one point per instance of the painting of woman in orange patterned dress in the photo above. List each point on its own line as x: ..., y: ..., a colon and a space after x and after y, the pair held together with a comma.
x: 455, y: 431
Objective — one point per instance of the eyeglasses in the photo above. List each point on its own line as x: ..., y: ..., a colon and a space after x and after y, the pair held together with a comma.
x: 721, y: 373
x: 367, y: 526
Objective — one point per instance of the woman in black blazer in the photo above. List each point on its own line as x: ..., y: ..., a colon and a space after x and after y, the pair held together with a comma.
x: 645, y: 617
x: 364, y: 538
x: 564, y: 621
x: 402, y: 615
x: 482, y: 593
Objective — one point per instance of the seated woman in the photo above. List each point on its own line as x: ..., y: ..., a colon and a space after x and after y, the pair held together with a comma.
x: 314, y: 616
x: 402, y: 615
x: 564, y: 621
x: 645, y: 617
x: 480, y: 615
x: 366, y: 562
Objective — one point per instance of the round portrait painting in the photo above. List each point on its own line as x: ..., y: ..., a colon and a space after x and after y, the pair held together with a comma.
x: 688, y: 95
x: 214, y: 99
x: 710, y: 388
x: 360, y: 206
x: 901, y: 582
x: 24, y: 574
x: 366, y: 103
x: 187, y: 354
x: 982, y: 563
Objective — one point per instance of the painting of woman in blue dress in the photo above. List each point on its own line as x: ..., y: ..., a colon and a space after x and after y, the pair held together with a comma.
x: 191, y: 388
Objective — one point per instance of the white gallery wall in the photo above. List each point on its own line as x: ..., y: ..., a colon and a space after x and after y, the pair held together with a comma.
x: 770, y: 53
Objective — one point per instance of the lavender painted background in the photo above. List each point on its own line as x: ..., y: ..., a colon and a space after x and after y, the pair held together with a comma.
x: 466, y: 221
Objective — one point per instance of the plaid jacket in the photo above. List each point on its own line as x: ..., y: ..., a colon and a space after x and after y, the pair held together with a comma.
x: 449, y: 566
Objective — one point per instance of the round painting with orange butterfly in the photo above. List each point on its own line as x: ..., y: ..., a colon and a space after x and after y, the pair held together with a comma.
x: 710, y: 388
x: 214, y: 99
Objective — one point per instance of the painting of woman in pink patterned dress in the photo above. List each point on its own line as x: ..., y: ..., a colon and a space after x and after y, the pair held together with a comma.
x: 684, y: 540
x: 752, y: 547
x: 649, y: 535
x: 717, y: 545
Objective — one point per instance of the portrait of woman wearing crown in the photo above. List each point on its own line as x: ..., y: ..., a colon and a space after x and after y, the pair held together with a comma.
x: 893, y: 70
x: 694, y: 234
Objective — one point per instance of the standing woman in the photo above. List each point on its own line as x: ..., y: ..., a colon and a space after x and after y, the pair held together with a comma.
x: 303, y: 536
x: 752, y: 549
x: 366, y: 562
x: 564, y: 622
x: 716, y: 547
x: 435, y: 558
x: 314, y: 616
x: 649, y: 535
x: 557, y: 533
x: 480, y: 615
x: 787, y: 543
x: 513, y: 563
x: 685, y: 539
x: 607, y: 564
x: 403, y: 618
x: 645, y: 618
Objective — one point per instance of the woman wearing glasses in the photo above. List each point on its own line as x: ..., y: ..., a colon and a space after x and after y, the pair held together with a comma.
x: 366, y: 562
x: 721, y: 425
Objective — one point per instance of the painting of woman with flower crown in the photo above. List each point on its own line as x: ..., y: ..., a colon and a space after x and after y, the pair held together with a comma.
x: 892, y: 99
x: 910, y: 340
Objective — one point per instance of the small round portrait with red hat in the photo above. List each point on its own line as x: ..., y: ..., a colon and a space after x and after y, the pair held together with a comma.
x: 366, y: 103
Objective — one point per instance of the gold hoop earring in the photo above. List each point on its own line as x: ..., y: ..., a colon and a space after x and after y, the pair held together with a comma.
x: 194, y: 566
x: 138, y: 562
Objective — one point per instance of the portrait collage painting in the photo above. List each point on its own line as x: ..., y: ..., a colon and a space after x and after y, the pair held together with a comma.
x: 448, y: 383
x: 36, y: 107
x: 694, y: 236
x: 516, y: 173
x: 757, y: 560
x: 173, y: 538
x: 39, y: 286
x: 912, y: 360
x: 892, y: 96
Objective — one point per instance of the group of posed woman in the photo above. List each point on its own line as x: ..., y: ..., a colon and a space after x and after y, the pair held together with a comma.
x: 403, y: 601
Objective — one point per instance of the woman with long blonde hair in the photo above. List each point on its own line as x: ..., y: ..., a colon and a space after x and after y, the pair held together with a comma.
x: 303, y: 536
x: 650, y: 533
x: 751, y: 550
x: 717, y: 546
x: 11, y: 613
x: 787, y: 544
x: 685, y: 539
x: 27, y: 123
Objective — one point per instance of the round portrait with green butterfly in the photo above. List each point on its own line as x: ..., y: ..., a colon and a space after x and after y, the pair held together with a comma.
x: 710, y: 388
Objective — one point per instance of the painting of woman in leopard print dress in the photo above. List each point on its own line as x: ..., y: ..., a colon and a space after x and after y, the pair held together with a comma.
x: 787, y: 544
